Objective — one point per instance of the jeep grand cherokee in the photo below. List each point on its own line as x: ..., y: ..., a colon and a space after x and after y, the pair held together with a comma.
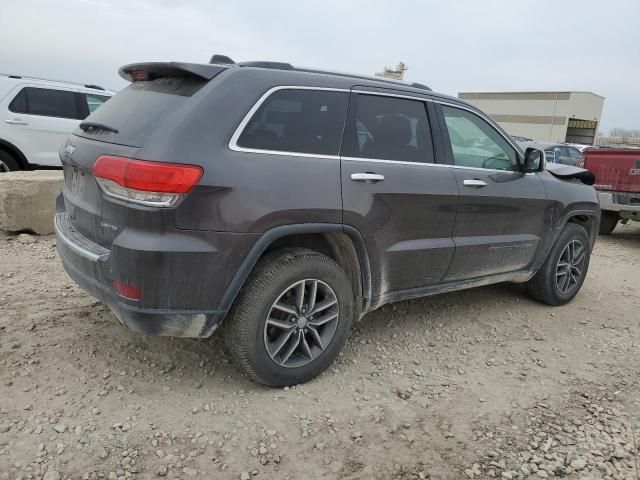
x: 282, y: 204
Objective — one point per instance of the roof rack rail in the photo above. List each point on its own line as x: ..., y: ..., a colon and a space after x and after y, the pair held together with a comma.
x: 419, y: 86
x: 225, y: 60
x: 267, y: 64
x: 28, y: 77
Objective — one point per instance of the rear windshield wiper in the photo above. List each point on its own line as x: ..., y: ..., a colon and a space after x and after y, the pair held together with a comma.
x: 84, y: 126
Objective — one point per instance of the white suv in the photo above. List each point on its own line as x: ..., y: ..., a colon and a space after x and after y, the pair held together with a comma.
x: 37, y: 115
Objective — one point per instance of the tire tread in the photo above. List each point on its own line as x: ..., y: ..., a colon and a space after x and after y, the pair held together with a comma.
x: 540, y: 287
x: 240, y: 326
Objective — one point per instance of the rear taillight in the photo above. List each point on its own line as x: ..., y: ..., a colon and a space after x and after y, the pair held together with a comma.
x: 146, y: 183
x: 580, y: 162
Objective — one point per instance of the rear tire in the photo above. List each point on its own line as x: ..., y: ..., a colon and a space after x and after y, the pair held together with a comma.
x: 565, y: 268
x: 8, y: 163
x: 608, y: 222
x: 280, y: 331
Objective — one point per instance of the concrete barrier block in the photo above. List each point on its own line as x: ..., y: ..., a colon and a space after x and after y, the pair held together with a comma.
x: 28, y: 200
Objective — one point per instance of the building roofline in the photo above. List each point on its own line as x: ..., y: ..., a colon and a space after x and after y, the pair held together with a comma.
x: 512, y: 92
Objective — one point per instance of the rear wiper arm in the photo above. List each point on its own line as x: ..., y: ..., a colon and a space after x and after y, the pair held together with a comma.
x: 84, y: 126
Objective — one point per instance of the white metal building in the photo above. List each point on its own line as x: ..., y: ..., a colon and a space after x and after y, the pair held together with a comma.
x: 547, y: 116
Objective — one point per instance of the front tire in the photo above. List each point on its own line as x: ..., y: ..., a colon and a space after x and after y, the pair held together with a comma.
x: 608, y: 222
x: 8, y: 163
x: 563, y: 272
x: 291, y: 318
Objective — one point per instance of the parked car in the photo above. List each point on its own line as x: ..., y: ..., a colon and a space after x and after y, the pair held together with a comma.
x: 283, y: 204
x: 581, y: 147
x: 563, y: 153
x: 617, y: 179
x: 38, y: 115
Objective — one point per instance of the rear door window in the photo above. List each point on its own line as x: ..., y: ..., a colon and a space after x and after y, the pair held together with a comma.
x: 299, y: 121
x: 388, y: 128
x: 45, y: 102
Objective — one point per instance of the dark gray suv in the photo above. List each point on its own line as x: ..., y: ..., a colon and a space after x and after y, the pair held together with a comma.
x: 283, y: 204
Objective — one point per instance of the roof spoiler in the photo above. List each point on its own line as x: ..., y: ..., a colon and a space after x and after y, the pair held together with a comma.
x: 152, y: 70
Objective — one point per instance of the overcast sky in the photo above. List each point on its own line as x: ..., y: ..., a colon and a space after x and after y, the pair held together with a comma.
x: 452, y: 46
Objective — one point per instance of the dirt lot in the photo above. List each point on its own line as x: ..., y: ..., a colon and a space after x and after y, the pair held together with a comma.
x: 477, y: 384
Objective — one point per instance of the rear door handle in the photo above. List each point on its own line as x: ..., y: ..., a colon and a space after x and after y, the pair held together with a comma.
x: 16, y: 121
x: 474, y: 182
x: 367, y: 177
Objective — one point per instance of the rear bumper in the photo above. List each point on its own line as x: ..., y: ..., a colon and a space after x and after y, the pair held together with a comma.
x: 91, y: 266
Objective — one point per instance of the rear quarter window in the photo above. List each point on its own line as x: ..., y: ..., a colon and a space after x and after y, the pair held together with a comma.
x: 299, y: 121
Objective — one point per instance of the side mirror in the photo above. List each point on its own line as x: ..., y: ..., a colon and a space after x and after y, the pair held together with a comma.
x: 533, y: 160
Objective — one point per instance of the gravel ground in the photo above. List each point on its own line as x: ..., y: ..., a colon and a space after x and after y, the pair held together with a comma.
x: 477, y: 384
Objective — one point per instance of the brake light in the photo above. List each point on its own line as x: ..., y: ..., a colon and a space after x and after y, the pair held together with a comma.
x: 145, y: 182
x: 580, y: 162
x: 138, y: 75
x: 130, y: 292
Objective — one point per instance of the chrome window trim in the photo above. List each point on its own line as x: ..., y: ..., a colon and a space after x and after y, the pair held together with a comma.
x: 233, y: 142
x: 382, y: 160
x: 396, y: 95
x: 441, y: 165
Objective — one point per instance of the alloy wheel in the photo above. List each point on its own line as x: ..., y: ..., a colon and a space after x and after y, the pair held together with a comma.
x: 301, y: 323
x: 570, y: 267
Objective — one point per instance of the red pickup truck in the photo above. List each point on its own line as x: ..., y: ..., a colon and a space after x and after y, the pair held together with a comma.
x: 617, y: 179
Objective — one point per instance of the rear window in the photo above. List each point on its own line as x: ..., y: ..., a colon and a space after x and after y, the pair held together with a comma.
x: 300, y: 121
x: 46, y: 102
x: 137, y: 111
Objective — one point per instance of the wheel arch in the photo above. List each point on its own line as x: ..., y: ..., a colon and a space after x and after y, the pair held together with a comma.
x: 15, y: 152
x: 587, y: 219
x: 341, y: 242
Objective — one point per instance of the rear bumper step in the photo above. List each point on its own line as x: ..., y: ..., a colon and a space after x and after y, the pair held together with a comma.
x: 74, y: 240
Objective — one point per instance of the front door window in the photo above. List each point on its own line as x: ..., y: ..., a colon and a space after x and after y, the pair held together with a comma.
x: 477, y: 144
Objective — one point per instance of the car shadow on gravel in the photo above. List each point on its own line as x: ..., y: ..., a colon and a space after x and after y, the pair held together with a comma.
x: 203, y: 362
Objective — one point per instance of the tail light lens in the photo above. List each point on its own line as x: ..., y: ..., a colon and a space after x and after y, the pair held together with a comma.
x: 144, y: 182
x: 580, y: 162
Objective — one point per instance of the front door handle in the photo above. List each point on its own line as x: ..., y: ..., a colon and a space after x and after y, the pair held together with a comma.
x: 474, y: 182
x: 367, y: 177
x: 16, y: 121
